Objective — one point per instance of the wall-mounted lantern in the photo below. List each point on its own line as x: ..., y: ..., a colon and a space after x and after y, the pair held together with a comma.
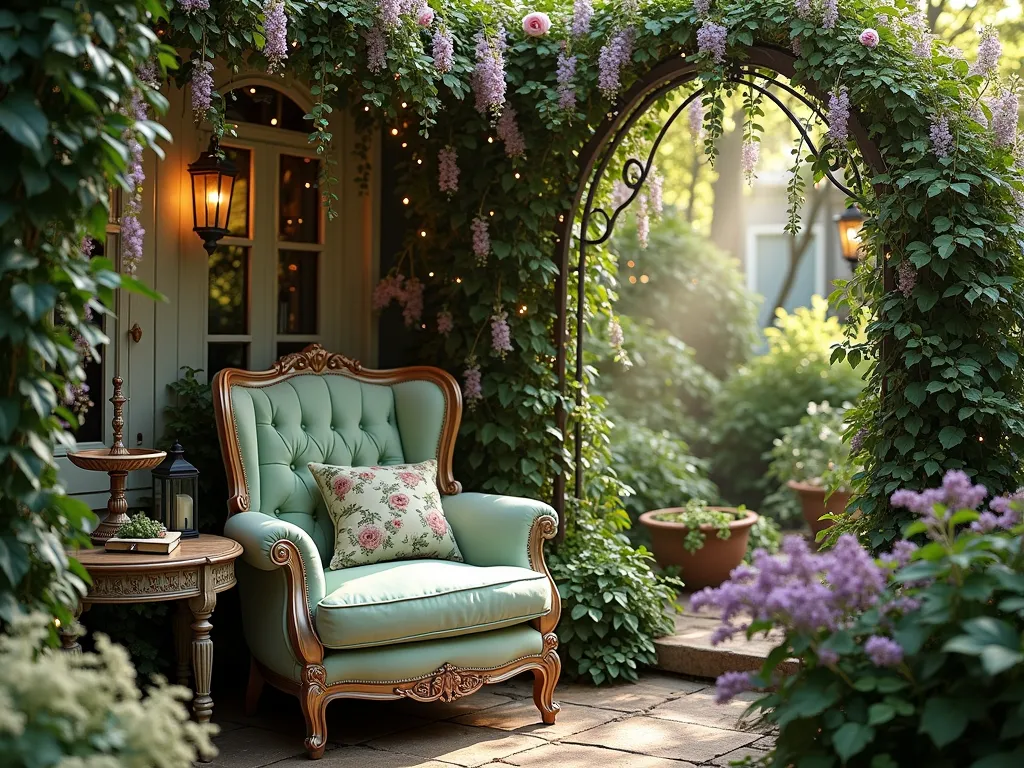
x: 213, y: 183
x: 849, y: 223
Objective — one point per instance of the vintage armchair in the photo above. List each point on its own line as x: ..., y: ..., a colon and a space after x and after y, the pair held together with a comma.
x: 420, y: 629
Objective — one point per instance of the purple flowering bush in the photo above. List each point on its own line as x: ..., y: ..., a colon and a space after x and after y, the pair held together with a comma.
x: 915, y: 658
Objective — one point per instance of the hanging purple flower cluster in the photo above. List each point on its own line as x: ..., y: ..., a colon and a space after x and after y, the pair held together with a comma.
x: 857, y: 441
x: 615, y: 335
x: 489, y: 74
x: 445, y: 322
x: 472, y: 387
x: 376, y: 49
x: 481, y: 240
x: 711, y: 39
x: 614, y: 54
x: 701, y: 7
x: 77, y: 400
x: 620, y: 193
x: 883, y: 651
x: 565, y: 74
x: 202, y: 88
x: 582, y: 13
x: 989, y: 52
x: 1005, y: 116
x: 643, y: 220
x: 830, y: 14
x: 275, y: 28
x: 906, y: 278
x: 501, y: 334
x: 389, y: 12
x: 941, y: 137
x: 191, y: 6
x: 443, y: 49
x: 656, y: 191
x: 509, y: 133
x: 803, y: 8
x: 695, y: 117
x: 407, y: 293
x: 838, y: 118
x: 751, y: 153
x: 448, y: 170
x: 132, y: 234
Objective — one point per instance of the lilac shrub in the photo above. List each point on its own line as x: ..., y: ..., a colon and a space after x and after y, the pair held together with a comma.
x: 913, y: 658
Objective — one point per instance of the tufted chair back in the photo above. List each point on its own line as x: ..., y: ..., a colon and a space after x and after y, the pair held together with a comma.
x: 317, y: 407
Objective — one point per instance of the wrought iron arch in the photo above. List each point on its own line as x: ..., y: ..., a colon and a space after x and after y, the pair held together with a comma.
x: 597, y: 155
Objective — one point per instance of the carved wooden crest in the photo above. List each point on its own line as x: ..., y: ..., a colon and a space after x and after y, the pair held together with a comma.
x: 316, y: 359
x: 447, y: 684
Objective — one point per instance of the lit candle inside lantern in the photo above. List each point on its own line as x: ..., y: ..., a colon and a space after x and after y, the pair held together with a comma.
x: 182, y: 511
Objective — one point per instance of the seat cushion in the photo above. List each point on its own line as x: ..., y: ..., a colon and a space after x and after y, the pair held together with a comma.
x: 385, y: 513
x: 401, y: 602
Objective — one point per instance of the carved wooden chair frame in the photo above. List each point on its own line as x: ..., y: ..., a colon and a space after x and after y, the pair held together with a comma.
x: 448, y: 682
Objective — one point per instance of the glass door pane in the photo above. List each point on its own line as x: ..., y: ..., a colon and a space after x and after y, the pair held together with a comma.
x: 229, y: 291
x: 298, y: 287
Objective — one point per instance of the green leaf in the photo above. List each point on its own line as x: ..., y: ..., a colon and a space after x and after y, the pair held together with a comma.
x: 851, y: 739
x: 880, y: 713
x: 10, y: 412
x: 944, y: 720
x: 34, y: 299
x: 951, y: 437
x: 23, y: 120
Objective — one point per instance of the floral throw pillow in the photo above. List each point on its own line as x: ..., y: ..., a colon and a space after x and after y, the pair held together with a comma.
x: 385, y: 513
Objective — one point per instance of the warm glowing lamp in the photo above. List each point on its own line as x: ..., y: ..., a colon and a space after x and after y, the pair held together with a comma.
x: 849, y: 223
x: 213, y: 183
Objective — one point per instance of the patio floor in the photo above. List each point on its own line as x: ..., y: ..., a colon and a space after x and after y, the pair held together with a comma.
x: 662, y: 722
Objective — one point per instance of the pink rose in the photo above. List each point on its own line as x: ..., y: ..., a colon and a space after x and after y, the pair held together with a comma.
x: 396, y: 523
x: 437, y: 522
x: 398, y: 501
x: 869, y: 38
x: 366, y: 475
x: 536, y: 24
x: 371, y: 537
x: 426, y: 17
x: 410, y: 479
x: 342, y: 485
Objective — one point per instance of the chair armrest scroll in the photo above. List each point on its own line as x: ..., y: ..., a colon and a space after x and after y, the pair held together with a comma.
x: 268, y: 544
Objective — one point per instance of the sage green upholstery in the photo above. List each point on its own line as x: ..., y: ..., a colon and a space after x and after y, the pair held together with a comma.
x: 394, y: 621
x: 402, y: 601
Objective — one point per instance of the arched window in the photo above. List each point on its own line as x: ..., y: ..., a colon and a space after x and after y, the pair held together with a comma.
x: 262, y: 105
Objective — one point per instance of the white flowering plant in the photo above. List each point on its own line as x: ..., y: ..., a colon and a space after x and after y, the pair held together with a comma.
x: 814, y: 450
x: 84, y: 710
x: 915, y: 658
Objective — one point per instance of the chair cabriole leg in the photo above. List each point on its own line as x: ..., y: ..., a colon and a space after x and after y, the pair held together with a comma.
x: 545, y: 678
x: 314, y: 708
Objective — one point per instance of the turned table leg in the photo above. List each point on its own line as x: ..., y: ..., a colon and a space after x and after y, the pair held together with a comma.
x: 69, y: 634
x: 183, y: 642
x: 202, y: 646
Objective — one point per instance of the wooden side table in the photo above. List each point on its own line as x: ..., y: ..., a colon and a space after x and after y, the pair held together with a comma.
x: 193, y: 574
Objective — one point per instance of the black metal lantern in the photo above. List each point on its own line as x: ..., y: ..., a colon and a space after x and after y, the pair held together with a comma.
x: 176, y: 494
x: 213, y: 183
x: 849, y: 223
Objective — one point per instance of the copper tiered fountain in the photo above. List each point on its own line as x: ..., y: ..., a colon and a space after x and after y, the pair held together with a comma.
x: 117, y: 462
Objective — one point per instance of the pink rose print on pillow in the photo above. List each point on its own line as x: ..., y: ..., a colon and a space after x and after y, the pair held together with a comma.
x: 398, y: 501
x: 370, y: 537
x: 396, y: 523
x: 410, y: 479
x: 437, y: 522
x: 341, y: 486
x: 366, y: 475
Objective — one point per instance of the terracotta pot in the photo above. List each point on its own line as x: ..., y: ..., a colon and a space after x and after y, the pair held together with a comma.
x: 710, y: 565
x: 812, y: 499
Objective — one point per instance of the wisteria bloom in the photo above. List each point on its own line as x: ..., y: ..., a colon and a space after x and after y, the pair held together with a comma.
x: 448, y: 170
x: 472, y: 387
x: 390, y: 288
x: 191, y: 6
x: 857, y: 441
x: 989, y: 52
x: 445, y: 322
x: 797, y: 47
x: 481, y: 240
x: 701, y: 7
x: 901, y: 554
x: 906, y: 278
x: 695, y: 117
x: 443, y: 50
x: 956, y: 492
x: 643, y: 220
x: 732, y: 684
x: 376, y: 49
x: 838, y: 118
x: 883, y: 651
x: 922, y: 47
x: 202, y: 88
x: 620, y: 193
x: 536, y: 24
x: 425, y: 17
x: 751, y: 154
x: 508, y: 131
x: 565, y: 74
x: 275, y: 27
x: 830, y: 14
x: 615, y: 335
x: 582, y: 13
x: 1005, y: 116
x: 412, y: 309
x: 489, y: 74
x: 869, y: 38
x: 711, y: 39
x: 390, y: 12
x: 656, y: 191
x: 941, y: 137
x: 132, y: 240
x: 613, y: 56
x: 803, y: 8
x: 501, y: 334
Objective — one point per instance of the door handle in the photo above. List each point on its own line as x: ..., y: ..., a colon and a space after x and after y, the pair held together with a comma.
x: 136, y: 333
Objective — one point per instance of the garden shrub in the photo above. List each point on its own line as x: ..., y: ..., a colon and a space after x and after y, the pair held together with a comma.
x: 770, y: 393
x: 914, y: 659
x: 85, y: 709
x: 696, y: 292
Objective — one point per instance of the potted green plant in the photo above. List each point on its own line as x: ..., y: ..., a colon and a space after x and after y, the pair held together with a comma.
x: 812, y: 459
x: 705, y: 542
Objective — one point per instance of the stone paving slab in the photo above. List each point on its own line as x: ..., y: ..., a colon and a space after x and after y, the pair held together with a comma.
x: 251, y: 747
x: 701, y: 709
x: 664, y: 738
x: 361, y: 757
x: 459, y: 744
x: 580, y: 756
x: 522, y: 717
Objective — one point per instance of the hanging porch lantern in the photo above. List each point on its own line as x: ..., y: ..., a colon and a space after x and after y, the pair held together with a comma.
x: 176, y: 494
x: 849, y: 223
x: 213, y: 183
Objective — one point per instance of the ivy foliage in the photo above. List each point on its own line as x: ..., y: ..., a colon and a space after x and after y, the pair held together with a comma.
x: 67, y: 74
